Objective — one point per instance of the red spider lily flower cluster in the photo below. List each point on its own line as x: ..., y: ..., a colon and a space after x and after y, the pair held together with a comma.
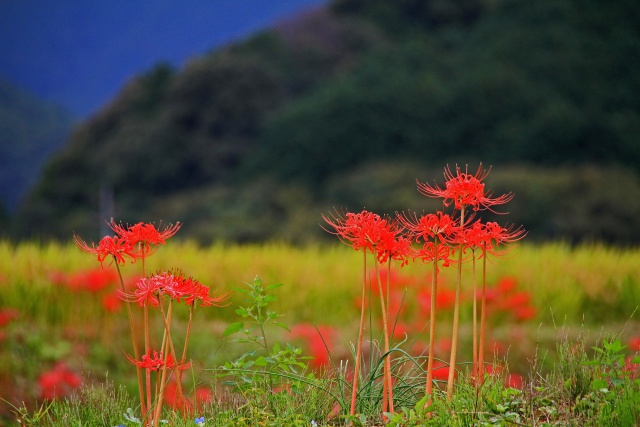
x: 159, y: 292
x: 133, y: 242
x: 177, y: 287
x: 433, y: 238
x: 464, y: 190
x: 371, y: 233
x: 157, y: 362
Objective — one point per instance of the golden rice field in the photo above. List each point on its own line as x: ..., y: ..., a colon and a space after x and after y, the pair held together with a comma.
x: 589, y: 289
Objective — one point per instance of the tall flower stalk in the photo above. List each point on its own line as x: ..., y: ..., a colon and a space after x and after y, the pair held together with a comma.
x: 433, y: 231
x: 138, y: 242
x: 380, y: 237
x: 464, y: 191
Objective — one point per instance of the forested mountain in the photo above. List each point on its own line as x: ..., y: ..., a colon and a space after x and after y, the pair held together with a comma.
x: 349, y: 105
x: 30, y: 131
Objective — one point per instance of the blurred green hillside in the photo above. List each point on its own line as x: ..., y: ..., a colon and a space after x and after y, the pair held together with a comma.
x: 347, y: 106
x: 30, y: 131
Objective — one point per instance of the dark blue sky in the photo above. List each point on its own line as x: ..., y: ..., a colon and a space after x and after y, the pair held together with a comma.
x: 79, y: 53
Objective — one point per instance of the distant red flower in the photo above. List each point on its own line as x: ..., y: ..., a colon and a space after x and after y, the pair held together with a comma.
x: 111, y: 303
x: 108, y: 248
x: 7, y: 315
x: 155, y: 362
x: 464, y: 189
x: 203, y: 395
x: 445, y: 299
x: 507, y: 284
x: 58, y: 382
x: 514, y: 381
x: 440, y: 371
x: 94, y: 280
x: 526, y: 312
x: 318, y: 340
x: 634, y: 343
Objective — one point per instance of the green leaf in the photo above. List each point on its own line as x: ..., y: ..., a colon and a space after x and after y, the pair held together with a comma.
x: 282, y: 325
x: 599, y: 384
x: 261, y: 361
x: 233, y: 328
x: 274, y: 286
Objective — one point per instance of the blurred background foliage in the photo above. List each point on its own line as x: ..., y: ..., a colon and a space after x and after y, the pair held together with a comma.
x: 346, y: 106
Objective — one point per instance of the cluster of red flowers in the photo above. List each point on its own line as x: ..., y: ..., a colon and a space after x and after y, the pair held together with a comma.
x: 99, y: 282
x: 173, y: 285
x: 434, y: 238
x: 137, y: 242
x: 133, y: 242
x: 58, y: 382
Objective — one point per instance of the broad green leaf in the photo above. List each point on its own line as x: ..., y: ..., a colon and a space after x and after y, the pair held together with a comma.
x: 261, y: 361
x: 233, y: 328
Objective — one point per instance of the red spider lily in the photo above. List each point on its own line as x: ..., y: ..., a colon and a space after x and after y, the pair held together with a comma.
x: 440, y: 371
x: 318, y: 340
x: 192, y: 290
x: 392, y: 246
x: 156, y: 362
x: 427, y: 253
x: 108, y: 247
x: 363, y: 230
x: 507, y: 284
x: 464, y: 189
x: 58, y: 382
x: 429, y: 226
x: 145, y: 234
x: 634, y: 343
x: 369, y: 232
x: 526, y: 312
x: 145, y: 293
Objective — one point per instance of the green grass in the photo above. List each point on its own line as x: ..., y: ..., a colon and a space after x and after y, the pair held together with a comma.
x: 583, y: 389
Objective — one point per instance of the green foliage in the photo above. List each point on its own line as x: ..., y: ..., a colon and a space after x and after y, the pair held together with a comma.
x: 279, y: 364
x: 257, y: 136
